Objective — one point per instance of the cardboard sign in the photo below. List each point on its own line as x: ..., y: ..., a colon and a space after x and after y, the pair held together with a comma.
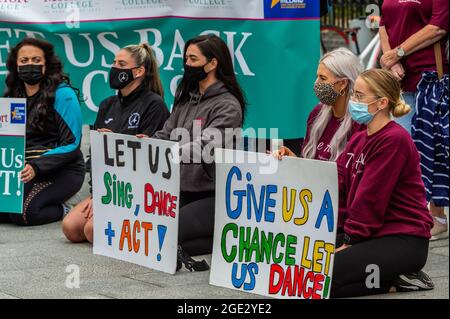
x: 136, y: 186
x: 12, y: 153
x: 275, y: 233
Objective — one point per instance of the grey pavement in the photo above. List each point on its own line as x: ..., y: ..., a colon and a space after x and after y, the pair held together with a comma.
x: 33, y: 263
x: 34, y: 260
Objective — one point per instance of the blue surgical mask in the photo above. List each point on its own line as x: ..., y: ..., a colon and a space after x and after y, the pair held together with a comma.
x: 360, y: 112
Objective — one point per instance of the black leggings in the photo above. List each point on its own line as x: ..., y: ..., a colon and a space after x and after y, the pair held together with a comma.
x: 196, y: 222
x: 394, y: 255
x: 43, y: 198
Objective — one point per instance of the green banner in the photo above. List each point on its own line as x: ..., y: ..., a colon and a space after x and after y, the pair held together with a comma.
x: 275, y: 54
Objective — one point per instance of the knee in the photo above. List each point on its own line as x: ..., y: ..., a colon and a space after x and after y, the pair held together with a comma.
x: 72, y: 231
x: 89, y: 231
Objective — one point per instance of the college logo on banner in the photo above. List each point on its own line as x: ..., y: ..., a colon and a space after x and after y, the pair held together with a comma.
x: 275, y: 9
x: 17, y: 113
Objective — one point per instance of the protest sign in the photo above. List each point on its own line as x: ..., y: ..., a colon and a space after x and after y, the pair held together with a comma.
x: 275, y: 233
x: 12, y: 153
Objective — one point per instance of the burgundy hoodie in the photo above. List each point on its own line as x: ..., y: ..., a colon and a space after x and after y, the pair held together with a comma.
x: 381, y: 191
x: 323, y: 145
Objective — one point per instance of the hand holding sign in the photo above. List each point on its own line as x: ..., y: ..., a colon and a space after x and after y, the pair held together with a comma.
x: 104, y: 130
x: 87, y: 210
x: 283, y: 151
x: 27, y: 174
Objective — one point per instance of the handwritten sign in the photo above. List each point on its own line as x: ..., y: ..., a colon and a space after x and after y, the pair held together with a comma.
x: 275, y: 233
x: 136, y: 185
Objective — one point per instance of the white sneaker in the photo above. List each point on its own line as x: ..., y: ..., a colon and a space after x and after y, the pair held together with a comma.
x: 439, y: 230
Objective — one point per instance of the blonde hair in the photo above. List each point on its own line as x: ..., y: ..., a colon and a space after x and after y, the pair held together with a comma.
x: 384, y: 84
x: 344, y: 64
x: 143, y: 56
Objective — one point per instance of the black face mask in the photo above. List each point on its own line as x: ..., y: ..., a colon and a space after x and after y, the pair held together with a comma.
x: 120, y: 78
x: 31, y: 74
x: 195, y: 74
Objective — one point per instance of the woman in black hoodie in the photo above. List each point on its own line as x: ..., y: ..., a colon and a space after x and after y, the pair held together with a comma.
x: 138, y: 108
x: 208, y: 100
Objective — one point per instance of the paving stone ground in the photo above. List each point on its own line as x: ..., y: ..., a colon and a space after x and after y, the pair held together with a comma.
x: 33, y: 264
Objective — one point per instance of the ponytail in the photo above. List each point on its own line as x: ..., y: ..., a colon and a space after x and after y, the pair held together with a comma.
x: 152, y: 78
x: 400, y: 109
x: 143, y: 55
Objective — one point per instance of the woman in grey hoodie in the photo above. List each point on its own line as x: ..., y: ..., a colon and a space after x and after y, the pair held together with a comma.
x: 207, y: 101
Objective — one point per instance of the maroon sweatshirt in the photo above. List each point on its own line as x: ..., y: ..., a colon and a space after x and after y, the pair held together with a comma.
x: 381, y: 191
x: 323, y: 147
x: 404, y: 18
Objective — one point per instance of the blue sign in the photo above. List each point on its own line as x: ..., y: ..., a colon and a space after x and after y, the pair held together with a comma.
x: 18, y: 113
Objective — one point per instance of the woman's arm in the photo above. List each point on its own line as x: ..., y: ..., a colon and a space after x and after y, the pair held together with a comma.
x: 425, y: 37
x: 422, y: 39
x: 384, y: 39
x: 380, y: 174
x: 69, y: 123
x: 154, y: 119
x: 169, y: 126
x: 226, y: 116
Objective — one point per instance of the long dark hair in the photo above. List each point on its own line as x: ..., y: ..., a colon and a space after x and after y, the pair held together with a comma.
x: 54, y: 76
x: 211, y: 47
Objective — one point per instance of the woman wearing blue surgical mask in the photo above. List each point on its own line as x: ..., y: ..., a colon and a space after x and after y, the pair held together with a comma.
x: 137, y: 109
x: 54, y: 166
x: 382, y: 205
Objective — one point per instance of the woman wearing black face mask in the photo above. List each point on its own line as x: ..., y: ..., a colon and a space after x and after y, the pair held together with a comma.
x: 208, y: 99
x: 54, y: 167
x: 137, y: 109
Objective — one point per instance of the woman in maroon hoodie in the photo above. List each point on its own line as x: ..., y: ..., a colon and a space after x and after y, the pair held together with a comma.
x: 382, y: 205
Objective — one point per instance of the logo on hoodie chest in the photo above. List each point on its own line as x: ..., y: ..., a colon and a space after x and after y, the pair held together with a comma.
x: 134, y: 120
x: 356, y: 163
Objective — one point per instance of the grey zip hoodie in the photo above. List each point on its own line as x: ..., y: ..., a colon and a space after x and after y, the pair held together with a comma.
x: 216, y: 110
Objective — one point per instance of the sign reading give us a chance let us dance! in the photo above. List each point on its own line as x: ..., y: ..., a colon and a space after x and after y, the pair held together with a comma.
x: 274, y: 45
x: 12, y: 153
x: 274, y: 232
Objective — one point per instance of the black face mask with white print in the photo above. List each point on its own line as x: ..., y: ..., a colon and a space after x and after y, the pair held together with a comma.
x: 120, y: 78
